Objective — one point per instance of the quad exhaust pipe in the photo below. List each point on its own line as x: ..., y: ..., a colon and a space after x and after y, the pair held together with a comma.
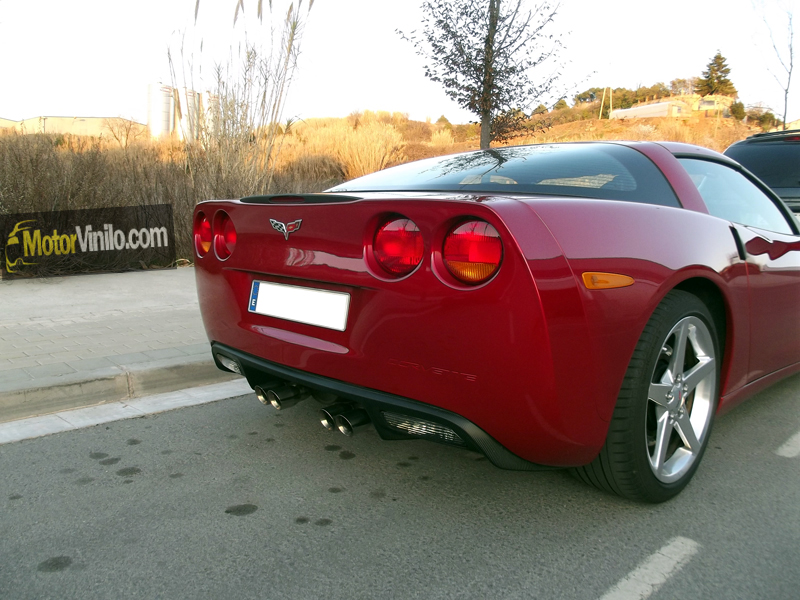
x: 261, y: 393
x: 327, y: 415
x: 343, y: 417
x: 339, y: 416
x: 279, y: 396
x: 347, y: 422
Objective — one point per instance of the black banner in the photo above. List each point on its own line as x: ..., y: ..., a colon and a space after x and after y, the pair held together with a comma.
x: 83, y: 241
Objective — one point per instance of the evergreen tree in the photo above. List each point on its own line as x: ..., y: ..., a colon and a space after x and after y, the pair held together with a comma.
x: 767, y: 121
x: 715, y: 79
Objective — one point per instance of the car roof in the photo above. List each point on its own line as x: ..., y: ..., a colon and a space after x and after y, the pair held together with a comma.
x: 682, y: 148
x: 772, y: 136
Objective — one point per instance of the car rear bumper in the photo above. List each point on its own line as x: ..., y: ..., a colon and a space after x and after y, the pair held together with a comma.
x: 390, y: 414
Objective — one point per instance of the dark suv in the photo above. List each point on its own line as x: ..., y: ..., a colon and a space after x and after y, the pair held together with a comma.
x: 775, y: 159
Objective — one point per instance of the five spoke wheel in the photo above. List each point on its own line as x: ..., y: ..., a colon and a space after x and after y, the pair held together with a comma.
x: 665, y: 407
x: 681, y: 399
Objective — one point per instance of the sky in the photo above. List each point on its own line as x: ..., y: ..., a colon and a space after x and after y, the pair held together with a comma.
x: 97, y: 57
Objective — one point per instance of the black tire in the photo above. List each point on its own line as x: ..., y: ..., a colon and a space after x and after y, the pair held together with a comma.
x: 665, y: 408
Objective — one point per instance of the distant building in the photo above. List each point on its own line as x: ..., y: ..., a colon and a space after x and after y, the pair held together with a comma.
x: 160, y: 110
x: 178, y: 113
x: 678, y: 106
x: 171, y: 113
x: 89, y: 126
x: 659, y: 109
x: 711, y: 105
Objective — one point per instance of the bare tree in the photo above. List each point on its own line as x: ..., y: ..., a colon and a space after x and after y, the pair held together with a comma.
x: 678, y: 87
x: 786, y: 60
x: 124, y: 131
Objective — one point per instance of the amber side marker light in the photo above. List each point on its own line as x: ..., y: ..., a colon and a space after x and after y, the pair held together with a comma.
x: 606, y: 281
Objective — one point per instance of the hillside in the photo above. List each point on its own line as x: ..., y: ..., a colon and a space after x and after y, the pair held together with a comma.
x: 716, y: 134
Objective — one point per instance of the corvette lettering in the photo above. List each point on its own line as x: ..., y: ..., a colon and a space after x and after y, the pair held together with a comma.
x: 286, y: 228
x: 404, y: 364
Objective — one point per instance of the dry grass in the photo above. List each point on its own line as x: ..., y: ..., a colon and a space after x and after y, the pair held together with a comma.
x: 369, y: 146
x: 308, y: 173
x: 443, y: 140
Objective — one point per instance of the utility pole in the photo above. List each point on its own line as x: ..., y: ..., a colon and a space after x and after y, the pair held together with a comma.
x: 602, y: 103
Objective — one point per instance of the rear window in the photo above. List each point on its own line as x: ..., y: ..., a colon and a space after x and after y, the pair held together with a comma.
x: 776, y: 164
x: 604, y: 171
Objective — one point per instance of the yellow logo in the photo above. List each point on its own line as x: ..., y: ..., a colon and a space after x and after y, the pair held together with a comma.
x: 13, y: 263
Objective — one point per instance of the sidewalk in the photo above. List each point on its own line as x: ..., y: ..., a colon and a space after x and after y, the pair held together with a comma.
x: 76, y: 341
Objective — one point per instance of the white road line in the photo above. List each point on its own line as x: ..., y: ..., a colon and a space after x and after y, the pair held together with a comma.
x: 791, y: 448
x: 652, y: 573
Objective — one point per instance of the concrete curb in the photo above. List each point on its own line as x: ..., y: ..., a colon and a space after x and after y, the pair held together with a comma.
x: 112, y: 384
x: 71, y: 420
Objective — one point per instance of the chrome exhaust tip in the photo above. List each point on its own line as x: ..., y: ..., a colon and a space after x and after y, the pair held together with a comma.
x: 278, y: 394
x: 327, y: 415
x: 347, y: 422
x: 284, y: 396
x: 261, y: 394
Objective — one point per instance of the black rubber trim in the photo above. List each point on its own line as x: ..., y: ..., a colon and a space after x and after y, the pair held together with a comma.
x: 374, y: 402
x: 299, y: 199
x: 793, y: 204
x: 739, y: 244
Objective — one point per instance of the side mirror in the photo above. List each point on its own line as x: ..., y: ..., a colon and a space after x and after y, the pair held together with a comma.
x: 774, y: 248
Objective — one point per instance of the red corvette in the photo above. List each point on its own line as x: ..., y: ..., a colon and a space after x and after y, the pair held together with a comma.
x: 588, y: 305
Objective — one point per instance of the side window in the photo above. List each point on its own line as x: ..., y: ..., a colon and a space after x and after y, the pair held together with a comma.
x: 731, y: 196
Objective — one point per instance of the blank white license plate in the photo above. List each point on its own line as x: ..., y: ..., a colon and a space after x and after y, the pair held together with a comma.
x: 302, y: 305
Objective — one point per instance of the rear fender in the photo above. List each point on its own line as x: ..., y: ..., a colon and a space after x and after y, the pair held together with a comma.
x: 660, y: 248
x: 572, y: 396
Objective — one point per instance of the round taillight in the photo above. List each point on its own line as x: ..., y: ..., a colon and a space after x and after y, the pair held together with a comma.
x: 398, y: 247
x: 202, y: 234
x: 224, y: 235
x: 473, y: 252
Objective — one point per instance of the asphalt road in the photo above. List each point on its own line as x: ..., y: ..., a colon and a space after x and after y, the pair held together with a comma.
x: 234, y: 500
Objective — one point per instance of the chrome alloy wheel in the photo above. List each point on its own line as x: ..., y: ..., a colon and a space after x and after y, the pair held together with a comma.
x: 681, y: 399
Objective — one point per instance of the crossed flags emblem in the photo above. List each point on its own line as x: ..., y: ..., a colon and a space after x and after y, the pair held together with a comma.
x: 286, y: 228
